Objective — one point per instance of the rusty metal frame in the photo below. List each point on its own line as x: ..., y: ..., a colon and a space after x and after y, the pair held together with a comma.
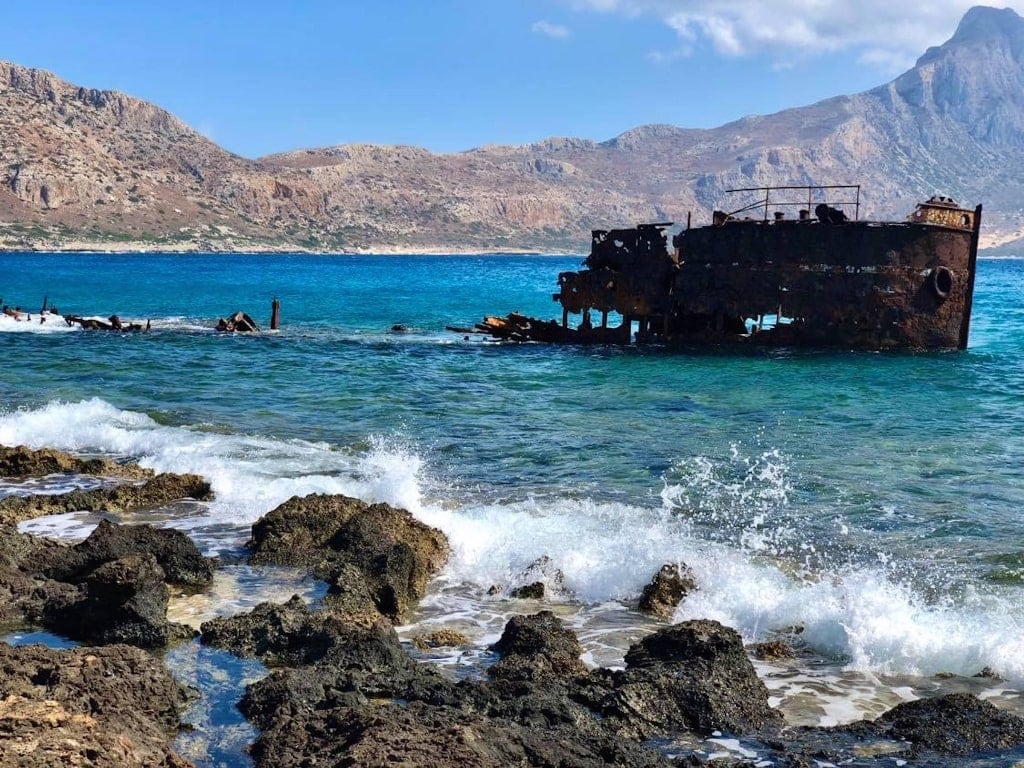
x: 811, y: 189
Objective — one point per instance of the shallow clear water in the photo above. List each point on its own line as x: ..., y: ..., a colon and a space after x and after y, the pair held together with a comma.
x: 875, y: 500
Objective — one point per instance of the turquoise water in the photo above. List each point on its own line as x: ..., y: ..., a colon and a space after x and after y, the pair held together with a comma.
x: 876, y: 500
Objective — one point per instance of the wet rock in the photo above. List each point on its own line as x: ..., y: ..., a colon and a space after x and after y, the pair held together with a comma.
x: 275, y: 634
x: 536, y: 646
x: 179, y: 558
x: 533, y: 591
x: 417, y: 734
x: 772, y: 650
x: 121, y: 601
x: 21, y: 461
x: 113, y: 707
x: 350, y: 598
x: 157, y: 491
x: 360, y: 664
x: 395, y: 552
x: 666, y: 590
x: 956, y: 724
x: 692, y: 676
x: 442, y: 638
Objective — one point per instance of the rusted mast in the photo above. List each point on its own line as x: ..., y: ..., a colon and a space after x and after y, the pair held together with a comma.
x: 972, y: 265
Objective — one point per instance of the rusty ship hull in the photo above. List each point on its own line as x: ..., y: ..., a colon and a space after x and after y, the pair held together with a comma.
x: 821, y: 281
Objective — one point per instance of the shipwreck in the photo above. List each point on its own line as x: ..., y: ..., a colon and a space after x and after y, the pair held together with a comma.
x: 820, y: 278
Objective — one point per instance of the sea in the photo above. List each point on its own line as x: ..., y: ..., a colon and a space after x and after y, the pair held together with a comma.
x: 866, y: 508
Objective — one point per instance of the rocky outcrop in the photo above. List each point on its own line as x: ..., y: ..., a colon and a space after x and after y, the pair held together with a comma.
x: 179, y: 560
x: 694, y: 675
x: 535, y: 646
x: 385, y: 550
x: 113, y: 707
x: 121, y: 601
x: 159, y: 490
x: 110, y: 588
x: 955, y: 724
x: 22, y: 461
x: 666, y: 590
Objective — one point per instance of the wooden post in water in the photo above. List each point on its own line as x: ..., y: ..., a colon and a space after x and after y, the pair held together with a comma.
x: 275, y: 314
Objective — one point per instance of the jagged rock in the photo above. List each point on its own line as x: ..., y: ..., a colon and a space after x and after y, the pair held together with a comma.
x: 535, y: 646
x: 442, y: 638
x: 395, y: 553
x: 418, y: 734
x: 162, y: 489
x: 276, y: 634
x: 21, y: 461
x: 690, y: 676
x: 121, y: 601
x: 666, y: 590
x: 955, y: 724
x: 533, y: 591
x: 113, y: 707
x: 179, y: 558
x: 772, y: 650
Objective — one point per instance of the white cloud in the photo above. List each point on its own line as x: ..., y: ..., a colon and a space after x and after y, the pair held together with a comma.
x: 887, y: 33
x: 556, y: 31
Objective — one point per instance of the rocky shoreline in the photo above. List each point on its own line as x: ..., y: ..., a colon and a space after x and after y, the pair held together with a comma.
x: 344, y: 691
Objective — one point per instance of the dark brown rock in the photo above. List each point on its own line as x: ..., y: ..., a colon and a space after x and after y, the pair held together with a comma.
x: 395, y: 552
x: 417, y: 734
x: 276, y: 634
x: 691, y: 676
x: 534, y: 591
x: 772, y: 650
x: 666, y: 590
x: 157, y: 491
x: 113, y: 707
x: 176, y: 553
x: 121, y: 601
x: 21, y: 461
x: 536, y: 646
x: 955, y: 724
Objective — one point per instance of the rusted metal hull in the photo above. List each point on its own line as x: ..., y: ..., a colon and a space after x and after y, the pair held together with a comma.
x: 823, y: 282
x: 859, y: 285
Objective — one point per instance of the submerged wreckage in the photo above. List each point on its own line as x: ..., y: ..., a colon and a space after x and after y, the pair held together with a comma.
x: 827, y: 279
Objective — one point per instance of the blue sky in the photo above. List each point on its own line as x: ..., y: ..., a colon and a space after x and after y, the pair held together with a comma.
x: 260, y: 77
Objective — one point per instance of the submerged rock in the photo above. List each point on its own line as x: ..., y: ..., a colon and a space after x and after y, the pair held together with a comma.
x: 394, y: 552
x: 667, y: 590
x: 113, y: 707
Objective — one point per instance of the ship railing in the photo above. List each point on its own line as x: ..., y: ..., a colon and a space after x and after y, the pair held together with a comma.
x: 848, y: 196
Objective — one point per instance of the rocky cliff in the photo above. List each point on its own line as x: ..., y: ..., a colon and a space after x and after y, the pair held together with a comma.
x: 82, y: 167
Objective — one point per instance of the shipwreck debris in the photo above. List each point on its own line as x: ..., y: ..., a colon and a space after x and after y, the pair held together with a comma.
x: 238, y: 323
x: 823, y: 281
x: 113, y: 323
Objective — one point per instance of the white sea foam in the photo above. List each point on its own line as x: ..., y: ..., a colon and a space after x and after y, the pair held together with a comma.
x: 857, y: 614
x: 54, y: 324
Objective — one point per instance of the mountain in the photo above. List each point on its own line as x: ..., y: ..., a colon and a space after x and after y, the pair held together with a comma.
x: 86, y: 168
